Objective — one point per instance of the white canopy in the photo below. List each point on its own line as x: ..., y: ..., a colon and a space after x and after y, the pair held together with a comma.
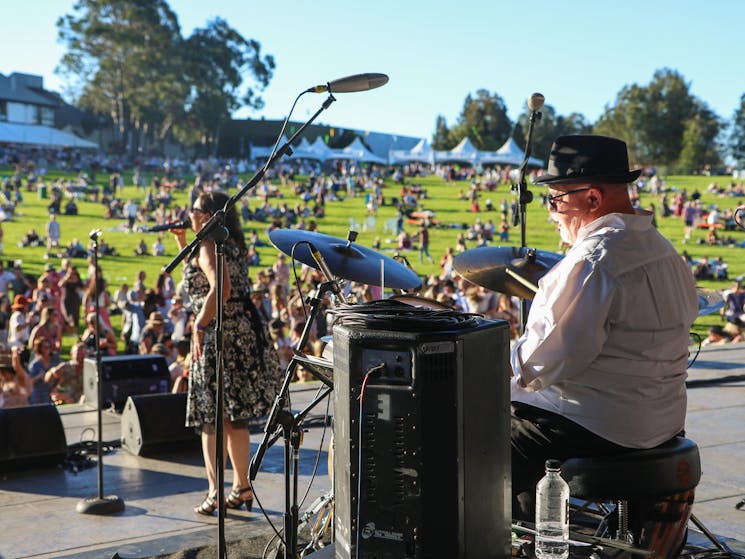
x: 356, y: 151
x: 319, y: 147
x: 259, y: 152
x: 422, y: 153
x: 464, y: 152
x: 306, y: 151
x: 39, y: 135
x: 508, y: 154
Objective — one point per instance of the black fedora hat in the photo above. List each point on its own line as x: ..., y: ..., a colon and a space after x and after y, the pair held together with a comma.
x: 587, y: 159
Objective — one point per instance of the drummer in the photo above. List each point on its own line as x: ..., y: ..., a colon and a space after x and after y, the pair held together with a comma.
x: 601, y: 366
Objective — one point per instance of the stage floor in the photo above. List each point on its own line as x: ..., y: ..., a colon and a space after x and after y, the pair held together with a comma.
x: 37, y: 507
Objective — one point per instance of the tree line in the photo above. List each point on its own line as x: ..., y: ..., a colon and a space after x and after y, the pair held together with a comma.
x: 662, y: 122
x: 127, y: 60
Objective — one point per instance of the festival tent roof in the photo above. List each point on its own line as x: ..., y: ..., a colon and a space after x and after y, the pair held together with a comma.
x: 258, y: 152
x: 464, y: 152
x: 422, y: 153
x: 306, y: 151
x: 36, y: 134
x: 356, y: 151
x: 320, y: 147
x: 508, y: 154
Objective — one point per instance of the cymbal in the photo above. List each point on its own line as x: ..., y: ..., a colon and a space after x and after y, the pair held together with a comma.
x: 347, y: 260
x: 506, y: 269
x: 709, y: 300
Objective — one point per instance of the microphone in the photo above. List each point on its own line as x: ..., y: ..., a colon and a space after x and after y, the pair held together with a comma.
x: 182, y: 224
x: 321, y: 261
x: 352, y: 84
x: 535, y: 103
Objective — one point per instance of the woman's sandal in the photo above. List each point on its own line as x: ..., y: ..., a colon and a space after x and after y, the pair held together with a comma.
x: 236, y: 498
x: 208, y: 506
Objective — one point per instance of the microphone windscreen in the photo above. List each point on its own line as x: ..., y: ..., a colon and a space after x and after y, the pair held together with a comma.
x: 535, y: 103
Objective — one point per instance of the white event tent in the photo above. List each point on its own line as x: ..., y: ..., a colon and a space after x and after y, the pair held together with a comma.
x: 420, y: 153
x: 508, y: 154
x: 464, y: 152
x: 39, y: 135
x: 263, y: 152
x: 356, y: 151
x: 305, y: 150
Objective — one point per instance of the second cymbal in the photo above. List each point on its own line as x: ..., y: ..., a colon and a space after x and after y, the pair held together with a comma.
x: 509, y: 270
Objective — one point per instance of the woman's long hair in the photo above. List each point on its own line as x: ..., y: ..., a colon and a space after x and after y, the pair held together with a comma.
x: 214, y: 201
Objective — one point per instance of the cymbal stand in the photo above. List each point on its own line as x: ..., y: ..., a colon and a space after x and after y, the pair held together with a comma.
x: 281, y: 420
x: 524, y: 197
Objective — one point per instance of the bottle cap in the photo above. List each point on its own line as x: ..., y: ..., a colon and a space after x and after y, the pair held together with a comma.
x: 553, y: 464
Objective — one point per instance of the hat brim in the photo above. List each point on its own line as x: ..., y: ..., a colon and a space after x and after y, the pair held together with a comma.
x: 625, y: 178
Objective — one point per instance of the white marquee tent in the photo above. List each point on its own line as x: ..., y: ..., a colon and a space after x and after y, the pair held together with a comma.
x: 356, y: 151
x: 36, y: 134
x: 420, y: 153
x: 464, y: 152
x: 508, y: 154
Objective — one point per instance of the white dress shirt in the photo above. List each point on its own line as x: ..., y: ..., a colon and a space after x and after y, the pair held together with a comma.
x: 606, y: 340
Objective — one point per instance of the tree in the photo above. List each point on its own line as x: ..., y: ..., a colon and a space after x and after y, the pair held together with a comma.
x: 699, y: 145
x: 737, y: 134
x: 118, y: 53
x: 442, y: 138
x: 653, y: 119
x: 484, y: 120
x: 547, y: 129
x: 127, y: 58
x: 216, y: 59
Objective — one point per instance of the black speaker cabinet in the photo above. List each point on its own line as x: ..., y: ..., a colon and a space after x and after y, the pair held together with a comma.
x: 31, y: 436
x: 156, y: 423
x: 123, y: 376
x: 424, y: 470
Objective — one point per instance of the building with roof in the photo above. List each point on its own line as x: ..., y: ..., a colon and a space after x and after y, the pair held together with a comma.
x: 28, y: 114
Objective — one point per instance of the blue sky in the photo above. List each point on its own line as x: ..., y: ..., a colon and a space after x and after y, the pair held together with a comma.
x: 579, y: 54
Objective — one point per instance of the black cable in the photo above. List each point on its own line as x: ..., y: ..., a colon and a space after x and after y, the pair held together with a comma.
x: 388, y: 314
x: 698, y: 350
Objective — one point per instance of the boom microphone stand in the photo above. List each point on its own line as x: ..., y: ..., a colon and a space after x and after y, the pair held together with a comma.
x: 524, y: 196
x: 101, y: 504
x: 214, y: 227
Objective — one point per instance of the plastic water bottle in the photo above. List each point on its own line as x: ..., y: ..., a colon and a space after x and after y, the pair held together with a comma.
x: 552, y: 514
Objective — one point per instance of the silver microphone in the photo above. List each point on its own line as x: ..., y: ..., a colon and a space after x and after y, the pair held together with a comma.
x: 351, y: 84
x: 535, y: 103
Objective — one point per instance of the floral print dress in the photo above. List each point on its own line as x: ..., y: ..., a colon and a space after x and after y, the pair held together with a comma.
x: 251, y: 371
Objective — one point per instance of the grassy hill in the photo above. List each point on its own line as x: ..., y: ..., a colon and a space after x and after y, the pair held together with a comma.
x: 442, y: 198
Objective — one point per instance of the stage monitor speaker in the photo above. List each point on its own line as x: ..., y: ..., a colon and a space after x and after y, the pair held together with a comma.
x: 156, y: 423
x: 123, y: 376
x: 425, y: 473
x: 31, y: 436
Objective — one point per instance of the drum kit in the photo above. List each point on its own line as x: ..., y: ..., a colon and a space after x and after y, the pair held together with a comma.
x: 513, y: 271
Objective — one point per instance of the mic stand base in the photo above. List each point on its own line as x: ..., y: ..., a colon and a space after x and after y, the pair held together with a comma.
x: 110, y: 504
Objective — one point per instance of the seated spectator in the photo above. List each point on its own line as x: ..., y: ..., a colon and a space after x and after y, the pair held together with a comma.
x: 734, y: 304
x: 141, y: 248
x: 716, y: 336
x: 71, y: 208
x: 31, y: 239
x: 702, y: 270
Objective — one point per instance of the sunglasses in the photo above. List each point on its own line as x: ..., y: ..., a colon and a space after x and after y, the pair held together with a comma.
x: 551, y: 200
x: 199, y: 210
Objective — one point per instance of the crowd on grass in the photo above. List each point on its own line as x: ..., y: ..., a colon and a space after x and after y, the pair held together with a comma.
x: 154, y: 314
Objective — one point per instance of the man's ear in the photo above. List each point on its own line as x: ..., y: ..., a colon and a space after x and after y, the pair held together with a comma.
x: 595, y: 198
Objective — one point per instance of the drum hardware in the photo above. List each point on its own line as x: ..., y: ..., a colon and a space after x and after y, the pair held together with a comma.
x: 335, y: 258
